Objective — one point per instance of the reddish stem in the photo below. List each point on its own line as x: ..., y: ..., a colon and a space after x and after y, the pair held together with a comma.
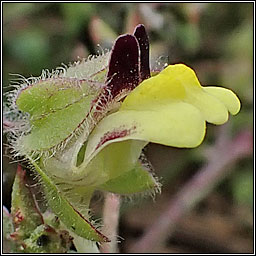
x: 110, y: 221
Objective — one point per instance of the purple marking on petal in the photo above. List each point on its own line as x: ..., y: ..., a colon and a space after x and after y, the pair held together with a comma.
x: 123, y: 73
x: 115, y: 134
x: 142, y: 37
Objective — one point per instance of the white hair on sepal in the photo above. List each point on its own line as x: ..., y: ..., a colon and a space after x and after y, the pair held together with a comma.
x: 159, y: 64
x: 147, y: 164
x: 23, y: 127
x: 89, y: 67
x: 86, y: 68
x: 150, y: 192
x: 137, y: 198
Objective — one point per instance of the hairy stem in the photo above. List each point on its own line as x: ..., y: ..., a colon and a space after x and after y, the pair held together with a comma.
x: 110, y: 221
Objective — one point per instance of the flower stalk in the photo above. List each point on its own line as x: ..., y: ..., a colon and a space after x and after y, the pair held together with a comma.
x: 110, y: 222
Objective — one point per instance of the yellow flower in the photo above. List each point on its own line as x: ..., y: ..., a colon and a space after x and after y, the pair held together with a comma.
x: 86, y: 127
x: 170, y: 108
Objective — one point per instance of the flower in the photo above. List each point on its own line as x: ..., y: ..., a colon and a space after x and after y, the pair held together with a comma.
x: 89, y: 123
x: 170, y: 108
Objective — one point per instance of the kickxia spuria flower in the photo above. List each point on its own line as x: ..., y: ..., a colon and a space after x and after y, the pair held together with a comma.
x: 82, y: 128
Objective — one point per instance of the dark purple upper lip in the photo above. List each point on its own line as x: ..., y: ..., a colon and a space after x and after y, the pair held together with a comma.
x: 129, y: 61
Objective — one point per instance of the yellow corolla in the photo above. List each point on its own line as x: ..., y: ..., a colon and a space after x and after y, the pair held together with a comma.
x: 170, y: 108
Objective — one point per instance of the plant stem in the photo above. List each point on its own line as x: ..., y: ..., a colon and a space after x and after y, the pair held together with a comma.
x: 224, y: 153
x: 110, y: 221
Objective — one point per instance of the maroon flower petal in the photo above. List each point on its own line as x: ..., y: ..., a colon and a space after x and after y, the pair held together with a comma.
x: 142, y: 37
x: 123, y: 73
x: 128, y: 66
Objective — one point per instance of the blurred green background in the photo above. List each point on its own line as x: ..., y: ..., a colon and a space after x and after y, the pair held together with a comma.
x: 215, y: 39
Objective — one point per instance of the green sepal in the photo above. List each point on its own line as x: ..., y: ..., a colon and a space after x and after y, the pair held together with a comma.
x: 136, y: 180
x: 57, y: 107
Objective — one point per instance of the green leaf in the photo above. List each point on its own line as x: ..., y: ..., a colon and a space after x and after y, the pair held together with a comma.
x: 70, y: 217
x: 7, y: 223
x: 8, y: 228
x: 26, y: 216
x: 32, y: 234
